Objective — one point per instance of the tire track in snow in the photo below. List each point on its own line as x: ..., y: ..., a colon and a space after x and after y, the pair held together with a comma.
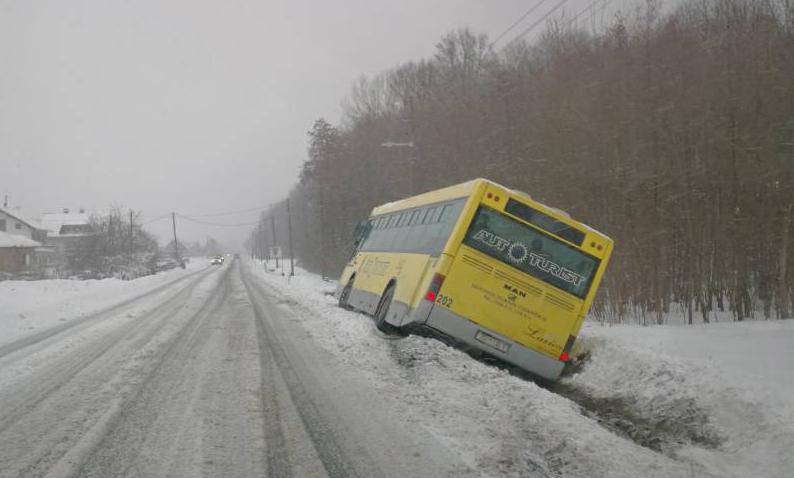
x: 39, y: 337
x: 90, y: 447
x: 41, y: 451
x: 324, y: 438
x: 24, y: 401
x: 277, y: 457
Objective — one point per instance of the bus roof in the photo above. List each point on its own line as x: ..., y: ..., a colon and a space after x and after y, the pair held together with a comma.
x: 466, y: 189
x: 437, y: 195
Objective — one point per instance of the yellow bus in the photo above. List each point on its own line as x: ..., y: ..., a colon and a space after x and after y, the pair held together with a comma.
x: 483, y: 264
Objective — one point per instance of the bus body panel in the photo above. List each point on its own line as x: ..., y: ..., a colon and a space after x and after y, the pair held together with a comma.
x: 508, y: 302
x: 474, y: 335
x: 486, y: 301
x: 376, y: 270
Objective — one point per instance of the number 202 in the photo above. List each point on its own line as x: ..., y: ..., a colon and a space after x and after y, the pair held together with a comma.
x: 444, y: 300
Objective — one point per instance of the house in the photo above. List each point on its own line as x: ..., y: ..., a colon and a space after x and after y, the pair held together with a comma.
x: 21, y: 246
x: 16, y: 253
x: 70, y: 234
x: 15, y: 223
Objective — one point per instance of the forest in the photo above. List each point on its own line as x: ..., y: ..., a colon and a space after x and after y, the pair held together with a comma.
x: 669, y: 129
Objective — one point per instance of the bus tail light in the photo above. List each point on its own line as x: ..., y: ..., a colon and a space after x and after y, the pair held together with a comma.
x: 435, y: 286
x: 565, y: 356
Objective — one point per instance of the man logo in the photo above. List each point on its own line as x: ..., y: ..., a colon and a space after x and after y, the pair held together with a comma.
x: 515, y: 291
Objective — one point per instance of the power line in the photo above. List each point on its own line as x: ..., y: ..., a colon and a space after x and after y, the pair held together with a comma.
x: 598, y: 10
x: 214, y: 214
x: 515, y: 23
x: 216, y: 224
x: 159, y: 218
x: 583, y: 11
x: 229, y: 213
x: 536, y: 23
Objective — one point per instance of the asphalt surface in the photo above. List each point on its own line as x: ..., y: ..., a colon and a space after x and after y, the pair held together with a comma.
x: 208, y: 375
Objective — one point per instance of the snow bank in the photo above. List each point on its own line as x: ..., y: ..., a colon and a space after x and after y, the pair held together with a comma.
x: 652, y: 401
x: 730, y: 381
x: 27, y: 307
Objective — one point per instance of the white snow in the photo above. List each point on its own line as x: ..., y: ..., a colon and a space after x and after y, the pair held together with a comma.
x: 27, y: 307
x: 14, y: 240
x: 54, y: 221
x: 728, y: 383
x: 739, y: 374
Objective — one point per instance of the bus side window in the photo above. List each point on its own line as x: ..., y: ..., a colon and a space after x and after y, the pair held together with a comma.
x: 425, y: 232
x: 428, y: 215
x: 434, y: 217
x: 375, y: 241
x: 415, y: 228
x: 447, y: 216
x: 382, y: 234
x: 443, y: 215
x: 415, y: 216
x: 401, y: 235
x: 393, y: 221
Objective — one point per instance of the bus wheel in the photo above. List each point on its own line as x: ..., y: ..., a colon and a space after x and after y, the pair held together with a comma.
x: 344, y: 296
x: 383, y: 309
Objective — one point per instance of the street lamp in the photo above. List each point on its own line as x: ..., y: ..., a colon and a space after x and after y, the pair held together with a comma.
x: 411, y: 159
x: 389, y: 144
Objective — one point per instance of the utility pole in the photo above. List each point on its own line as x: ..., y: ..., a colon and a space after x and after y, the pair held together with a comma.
x: 273, y: 226
x: 131, y: 236
x: 261, y: 240
x: 414, y: 157
x: 176, y: 243
x: 289, y: 236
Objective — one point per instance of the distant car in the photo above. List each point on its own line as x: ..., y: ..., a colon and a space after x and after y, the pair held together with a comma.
x: 217, y: 260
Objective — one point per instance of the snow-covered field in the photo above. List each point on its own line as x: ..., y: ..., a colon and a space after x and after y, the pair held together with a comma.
x: 27, y: 307
x: 710, y: 400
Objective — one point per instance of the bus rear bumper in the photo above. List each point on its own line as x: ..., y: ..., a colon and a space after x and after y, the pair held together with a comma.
x: 467, y: 331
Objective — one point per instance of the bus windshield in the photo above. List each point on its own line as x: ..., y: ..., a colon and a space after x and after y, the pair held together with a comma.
x: 531, y: 251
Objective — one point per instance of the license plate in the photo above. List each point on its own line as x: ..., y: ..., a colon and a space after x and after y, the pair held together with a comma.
x: 492, y: 341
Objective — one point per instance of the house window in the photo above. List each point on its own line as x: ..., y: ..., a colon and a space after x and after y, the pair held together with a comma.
x: 17, y: 225
x: 2, y: 224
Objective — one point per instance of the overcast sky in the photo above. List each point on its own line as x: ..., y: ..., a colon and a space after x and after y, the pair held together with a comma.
x: 194, y: 106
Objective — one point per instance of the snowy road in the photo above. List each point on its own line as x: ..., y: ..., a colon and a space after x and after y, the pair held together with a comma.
x: 206, y: 375
x: 235, y: 371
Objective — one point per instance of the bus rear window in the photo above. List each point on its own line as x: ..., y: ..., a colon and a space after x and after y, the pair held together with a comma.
x: 531, y: 251
x: 545, y: 222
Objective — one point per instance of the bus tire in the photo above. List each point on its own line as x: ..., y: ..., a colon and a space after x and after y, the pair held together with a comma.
x: 344, y: 296
x: 383, y: 309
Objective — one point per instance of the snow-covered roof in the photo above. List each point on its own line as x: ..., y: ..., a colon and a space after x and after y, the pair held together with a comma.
x: 54, y: 221
x: 22, y: 218
x: 14, y: 240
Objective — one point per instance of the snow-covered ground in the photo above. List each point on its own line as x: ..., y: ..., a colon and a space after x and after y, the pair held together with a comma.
x: 709, y: 400
x: 27, y: 307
